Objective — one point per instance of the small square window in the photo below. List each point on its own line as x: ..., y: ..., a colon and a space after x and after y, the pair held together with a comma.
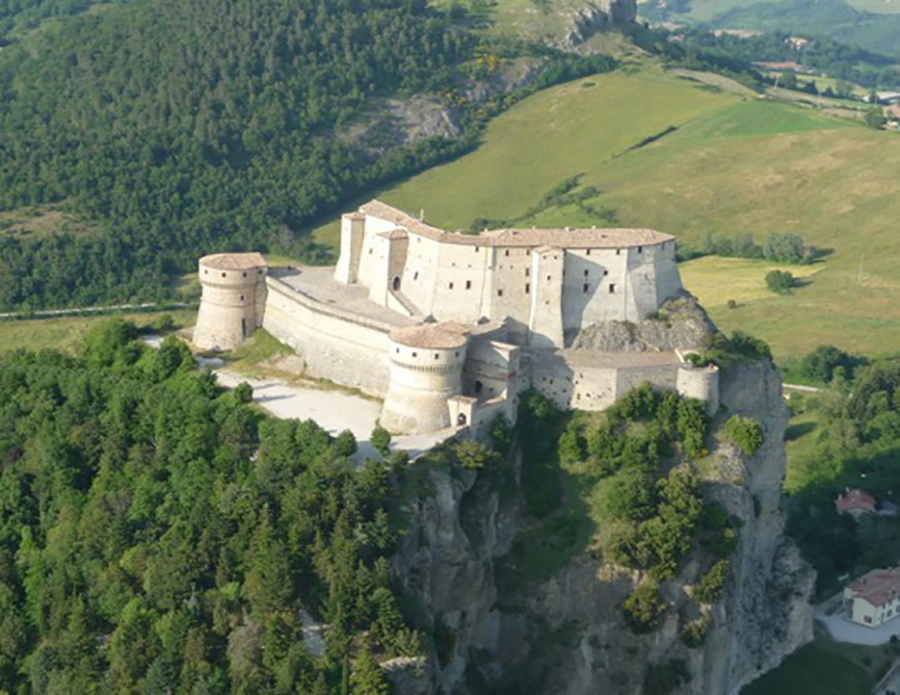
x: 416, y: 275
x: 588, y: 252
x: 640, y: 249
x: 527, y: 288
x: 451, y: 285
x: 415, y: 354
x: 605, y: 273
x: 618, y: 252
x: 245, y: 275
x: 585, y: 272
x: 612, y: 288
x: 499, y: 293
x: 506, y: 253
x: 468, y: 284
x: 242, y: 298
x: 527, y: 272
x: 585, y: 288
x: 436, y: 356
x: 223, y: 275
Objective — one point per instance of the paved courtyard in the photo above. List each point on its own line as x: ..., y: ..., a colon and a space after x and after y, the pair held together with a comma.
x: 334, y: 410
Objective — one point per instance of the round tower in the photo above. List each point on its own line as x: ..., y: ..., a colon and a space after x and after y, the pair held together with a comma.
x: 233, y: 299
x: 426, y: 365
x: 701, y: 383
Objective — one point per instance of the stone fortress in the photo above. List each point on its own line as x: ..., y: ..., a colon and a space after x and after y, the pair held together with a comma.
x: 449, y: 328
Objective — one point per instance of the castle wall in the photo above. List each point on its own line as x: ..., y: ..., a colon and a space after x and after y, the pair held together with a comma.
x: 592, y: 388
x: 509, y: 290
x: 702, y: 384
x: 419, y: 280
x: 352, y: 237
x: 421, y: 381
x: 546, y: 322
x: 594, y: 287
x: 460, y: 285
x: 333, y: 346
x: 491, y: 369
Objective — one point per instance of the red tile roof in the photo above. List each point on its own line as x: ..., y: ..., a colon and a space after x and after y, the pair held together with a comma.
x: 878, y: 587
x: 856, y: 500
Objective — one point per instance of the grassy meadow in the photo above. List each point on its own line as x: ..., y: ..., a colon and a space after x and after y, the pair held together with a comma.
x: 734, y: 164
x: 67, y: 333
x: 825, y: 667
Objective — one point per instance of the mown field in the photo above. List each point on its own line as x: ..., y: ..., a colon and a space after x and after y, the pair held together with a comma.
x: 734, y: 164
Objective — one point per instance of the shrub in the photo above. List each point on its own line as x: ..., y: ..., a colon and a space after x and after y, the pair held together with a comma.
x: 471, y: 454
x: 745, y: 433
x: 780, y: 281
x: 630, y: 495
x: 709, y: 588
x: 243, y: 392
x: 345, y: 443
x: 644, y: 608
x: 501, y: 435
x: 381, y: 440
x: 732, y: 304
x: 694, y: 633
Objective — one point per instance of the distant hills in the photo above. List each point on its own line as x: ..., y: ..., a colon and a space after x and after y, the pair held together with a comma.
x: 835, y: 18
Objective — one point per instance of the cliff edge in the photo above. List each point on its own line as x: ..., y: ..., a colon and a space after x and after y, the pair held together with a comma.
x: 563, y: 630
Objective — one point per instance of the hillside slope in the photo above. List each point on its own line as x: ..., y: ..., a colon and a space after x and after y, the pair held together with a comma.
x: 735, y: 164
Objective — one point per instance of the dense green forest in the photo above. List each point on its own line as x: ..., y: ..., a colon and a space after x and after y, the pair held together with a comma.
x: 191, y: 127
x: 159, y: 535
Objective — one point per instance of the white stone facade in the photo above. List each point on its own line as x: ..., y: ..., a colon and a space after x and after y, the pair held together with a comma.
x: 450, y: 328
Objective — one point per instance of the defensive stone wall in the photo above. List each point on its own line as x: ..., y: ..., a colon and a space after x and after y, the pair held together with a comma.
x: 334, y: 344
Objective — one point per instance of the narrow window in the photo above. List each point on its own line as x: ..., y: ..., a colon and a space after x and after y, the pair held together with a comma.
x: 612, y: 288
x: 436, y: 356
x: 416, y: 275
x: 451, y: 285
x: 548, y: 278
x: 499, y: 293
x: 527, y: 288
x: 398, y: 351
x: 618, y: 251
x: 640, y: 249
x: 224, y: 275
x: 259, y: 272
x: 585, y: 273
x: 245, y: 275
x: 586, y: 287
x: 605, y: 273
x: 244, y: 327
x: 506, y: 253
x: 478, y: 387
x: 468, y: 284
x: 527, y: 272
x: 588, y: 252
x: 477, y: 249
x: 242, y: 298
x: 370, y: 252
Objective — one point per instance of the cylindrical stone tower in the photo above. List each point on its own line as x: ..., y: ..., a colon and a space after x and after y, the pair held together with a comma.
x: 233, y: 300
x: 701, y: 383
x: 426, y: 369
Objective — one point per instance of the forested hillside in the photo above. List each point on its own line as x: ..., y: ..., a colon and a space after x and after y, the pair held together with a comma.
x: 158, y: 535
x: 194, y: 126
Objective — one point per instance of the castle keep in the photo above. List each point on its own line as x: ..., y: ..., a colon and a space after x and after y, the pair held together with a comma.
x: 448, y: 328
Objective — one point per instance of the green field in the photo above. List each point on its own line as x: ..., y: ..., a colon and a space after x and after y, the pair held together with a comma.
x: 67, y: 334
x: 734, y: 164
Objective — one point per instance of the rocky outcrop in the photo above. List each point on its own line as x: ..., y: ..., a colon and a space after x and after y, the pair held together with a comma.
x: 586, y: 19
x: 680, y: 323
x: 389, y: 122
x: 568, y: 629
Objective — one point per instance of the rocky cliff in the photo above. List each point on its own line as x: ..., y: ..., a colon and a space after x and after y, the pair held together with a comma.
x: 562, y: 632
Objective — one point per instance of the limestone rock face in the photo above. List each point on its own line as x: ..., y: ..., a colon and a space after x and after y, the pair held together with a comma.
x: 681, y: 323
x: 585, y: 19
x: 455, y: 561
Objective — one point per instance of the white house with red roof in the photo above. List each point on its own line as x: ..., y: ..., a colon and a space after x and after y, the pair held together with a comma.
x: 874, y: 599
